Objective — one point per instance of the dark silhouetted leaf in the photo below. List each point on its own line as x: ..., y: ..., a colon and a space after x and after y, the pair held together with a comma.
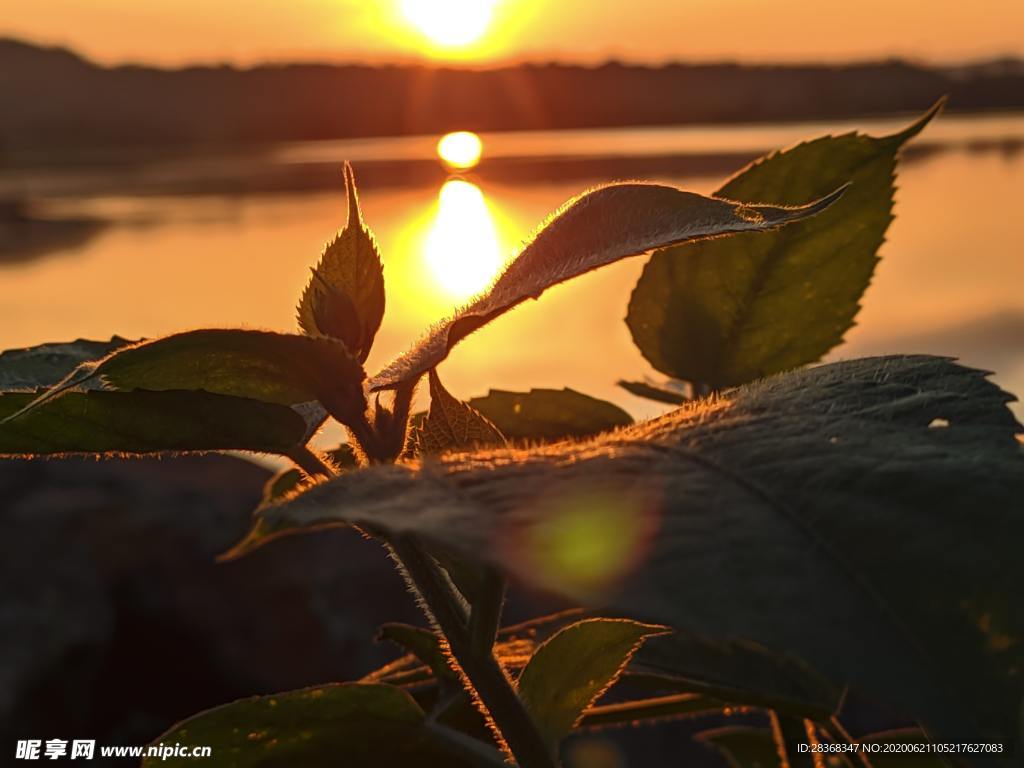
x: 146, y: 422
x: 451, y: 425
x: 739, y: 672
x: 45, y: 365
x: 549, y: 414
x: 354, y: 725
x: 727, y: 312
x: 816, y: 513
x: 282, y: 484
x: 651, y: 392
x: 574, y: 667
x: 597, y: 228
x: 278, y: 368
x: 421, y: 643
x: 345, y: 296
x: 743, y: 746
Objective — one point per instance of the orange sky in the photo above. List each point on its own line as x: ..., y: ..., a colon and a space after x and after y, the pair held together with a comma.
x: 244, y: 31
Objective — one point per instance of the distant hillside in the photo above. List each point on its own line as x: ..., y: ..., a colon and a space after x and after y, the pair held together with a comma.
x: 52, y: 98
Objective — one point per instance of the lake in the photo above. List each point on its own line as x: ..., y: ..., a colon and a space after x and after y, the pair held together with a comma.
x: 157, y: 244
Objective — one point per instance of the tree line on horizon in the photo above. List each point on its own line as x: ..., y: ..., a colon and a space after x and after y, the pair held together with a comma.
x: 51, y: 97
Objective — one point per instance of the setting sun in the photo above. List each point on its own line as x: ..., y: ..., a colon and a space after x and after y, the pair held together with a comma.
x: 460, y: 150
x: 450, y: 22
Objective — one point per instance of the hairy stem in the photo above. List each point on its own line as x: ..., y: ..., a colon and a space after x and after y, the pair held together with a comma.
x: 489, y: 680
x: 309, y: 462
x: 790, y: 732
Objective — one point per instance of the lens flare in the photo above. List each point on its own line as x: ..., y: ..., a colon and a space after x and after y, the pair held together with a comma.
x: 462, y: 247
x: 587, y: 540
x: 450, y: 23
x: 460, y: 150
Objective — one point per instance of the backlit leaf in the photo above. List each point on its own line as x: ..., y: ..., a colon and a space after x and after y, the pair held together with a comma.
x: 549, y: 414
x: 726, y: 312
x: 451, y: 425
x: 146, y: 422
x: 863, y: 517
x: 354, y: 725
x: 574, y: 667
x: 597, y: 228
x: 273, y: 367
x: 345, y: 296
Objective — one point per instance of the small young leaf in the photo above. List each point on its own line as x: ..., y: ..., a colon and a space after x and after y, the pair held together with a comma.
x: 822, y: 492
x: 45, y: 365
x: 355, y: 725
x: 451, y: 425
x: 544, y: 415
x: 574, y: 668
x: 651, y: 392
x: 345, y: 296
x: 597, y: 228
x: 743, y: 746
x: 726, y: 312
x: 146, y: 422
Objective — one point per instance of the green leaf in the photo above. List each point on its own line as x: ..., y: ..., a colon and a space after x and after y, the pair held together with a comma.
x: 351, y: 724
x: 345, y: 297
x: 146, y: 422
x: 574, y: 668
x: 276, y: 368
x: 546, y: 415
x: 45, y: 365
x: 452, y: 425
x: 726, y: 312
x: 651, y: 392
x: 863, y: 517
x: 597, y: 228
x: 743, y: 746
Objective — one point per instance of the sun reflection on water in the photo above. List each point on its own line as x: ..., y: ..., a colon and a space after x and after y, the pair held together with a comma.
x: 461, y: 246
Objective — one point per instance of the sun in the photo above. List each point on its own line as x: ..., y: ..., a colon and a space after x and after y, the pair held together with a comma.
x: 450, y: 23
x: 460, y: 150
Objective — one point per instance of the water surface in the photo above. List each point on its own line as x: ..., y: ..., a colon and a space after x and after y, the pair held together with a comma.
x: 950, y: 280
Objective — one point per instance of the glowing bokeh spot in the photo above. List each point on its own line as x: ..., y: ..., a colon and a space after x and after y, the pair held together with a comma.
x: 588, y: 540
x: 450, y: 23
x: 462, y: 246
x: 460, y: 150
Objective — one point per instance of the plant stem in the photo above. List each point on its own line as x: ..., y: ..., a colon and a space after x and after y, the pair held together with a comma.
x: 309, y: 462
x: 485, y: 616
x: 789, y: 732
x: 489, y: 680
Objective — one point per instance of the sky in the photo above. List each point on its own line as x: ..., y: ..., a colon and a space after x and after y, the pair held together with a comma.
x: 175, y: 32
